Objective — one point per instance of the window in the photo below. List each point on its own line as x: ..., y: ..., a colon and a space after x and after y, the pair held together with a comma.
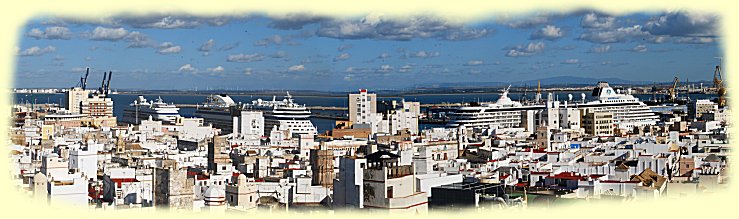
x: 389, y: 192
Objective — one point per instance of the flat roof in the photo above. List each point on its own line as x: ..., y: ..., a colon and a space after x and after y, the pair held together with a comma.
x: 469, y: 186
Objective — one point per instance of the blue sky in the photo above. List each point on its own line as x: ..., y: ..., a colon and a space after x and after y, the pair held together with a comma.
x: 303, y: 51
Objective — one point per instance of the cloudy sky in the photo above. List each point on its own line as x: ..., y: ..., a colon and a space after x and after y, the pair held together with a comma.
x: 302, y: 51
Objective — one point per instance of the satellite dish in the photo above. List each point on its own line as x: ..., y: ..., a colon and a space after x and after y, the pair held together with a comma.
x: 582, y: 95
x: 628, y: 90
x: 569, y: 96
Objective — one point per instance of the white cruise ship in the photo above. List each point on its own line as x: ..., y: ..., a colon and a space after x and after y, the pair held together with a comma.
x: 218, y: 110
x: 158, y: 110
x: 284, y: 115
x: 627, y: 110
x: 504, y: 113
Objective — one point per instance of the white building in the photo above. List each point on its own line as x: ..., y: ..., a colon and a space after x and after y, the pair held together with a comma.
x: 85, y: 160
x: 404, y: 117
x: 70, y: 190
x: 362, y: 107
x: 249, y: 124
x: 74, y: 98
x: 54, y: 166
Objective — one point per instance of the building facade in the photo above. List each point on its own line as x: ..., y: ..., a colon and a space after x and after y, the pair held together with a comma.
x: 362, y: 107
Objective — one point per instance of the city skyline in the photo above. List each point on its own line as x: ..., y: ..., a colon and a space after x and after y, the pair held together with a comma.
x: 310, y: 52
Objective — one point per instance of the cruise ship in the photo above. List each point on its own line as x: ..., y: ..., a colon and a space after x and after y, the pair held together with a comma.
x: 285, y: 115
x: 158, y: 110
x: 628, y: 111
x: 503, y: 113
x: 218, y: 110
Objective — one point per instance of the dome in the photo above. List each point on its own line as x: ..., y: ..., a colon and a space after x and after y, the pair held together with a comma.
x: 39, y: 178
x: 214, y: 196
x: 241, y: 179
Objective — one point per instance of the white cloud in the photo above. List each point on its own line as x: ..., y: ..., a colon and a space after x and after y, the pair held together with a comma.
x: 348, y: 77
x: 385, y: 68
x: 571, y: 61
x: 166, y: 21
x: 54, y: 32
x: 343, y: 47
x: 78, y: 69
x: 595, y: 21
x: 342, y: 56
x: 229, y: 46
x: 548, y: 32
x: 383, y: 56
x: 168, y: 48
x: 37, y: 51
x: 684, y: 24
x: 136, y: 39
x: 528, y: 50
x: 207, y: 46
x: 295, y: 68
x: 405, y: 68
x: 109, y: 34
x: 248, y: 71
x: 170, y: 22
x: 639, y: 48
x: 621, y: 34
x: 245, y: 57
x: 377, y: 26
x: 349, y: 69
x: 474, y: 62
x: 271, y: 40
x: 187, y: 68
x: 527, y: 22
x: 695, y: 40
x: 216, y: 69
x: 279, y: 54
x: 293, y: 21
x: 600, y: 49
x: 424, y: 54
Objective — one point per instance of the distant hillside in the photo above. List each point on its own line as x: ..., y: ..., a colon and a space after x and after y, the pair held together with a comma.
x: 573, y: 80
x: 550, y: 81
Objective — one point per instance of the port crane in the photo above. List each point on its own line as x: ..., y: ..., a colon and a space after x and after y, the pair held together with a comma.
x: 673, y: 89
x: 105, y: 87
x: 83, y: 81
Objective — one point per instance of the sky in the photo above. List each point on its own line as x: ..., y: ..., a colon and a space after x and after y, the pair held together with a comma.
x: 301, y: 51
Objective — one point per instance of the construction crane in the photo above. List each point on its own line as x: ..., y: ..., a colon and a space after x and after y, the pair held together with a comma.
x: 673, y: 90
x: 719, y: 85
